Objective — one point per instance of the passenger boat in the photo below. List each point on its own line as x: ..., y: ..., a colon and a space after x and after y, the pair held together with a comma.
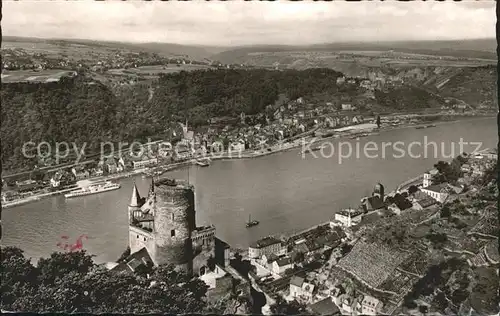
x: 251, y: 223
x: 93, y: 189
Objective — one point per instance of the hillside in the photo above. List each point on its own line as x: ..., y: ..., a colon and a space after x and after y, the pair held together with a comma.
x: 480, y: 48
x: 163, y: 49
x: 82, y: 110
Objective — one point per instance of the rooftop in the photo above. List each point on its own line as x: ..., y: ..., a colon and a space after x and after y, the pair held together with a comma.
x: 264, y: 242
x: 436, y: 188
x: 284, y: 261
x: 324, y: 307
x: 297, y: 281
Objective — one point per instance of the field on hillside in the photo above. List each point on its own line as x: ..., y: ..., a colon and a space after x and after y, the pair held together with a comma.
x: 60, y: 49
x: 152, y: 70
x: 49, y: 75
x: 339, y: 60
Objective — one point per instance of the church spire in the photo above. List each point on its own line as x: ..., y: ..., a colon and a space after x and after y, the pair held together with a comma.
x: 135, y: 200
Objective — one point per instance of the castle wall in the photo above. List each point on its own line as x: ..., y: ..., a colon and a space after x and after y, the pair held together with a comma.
x: 203, y: 247
x: 139, y: 239
x: 173, y: 224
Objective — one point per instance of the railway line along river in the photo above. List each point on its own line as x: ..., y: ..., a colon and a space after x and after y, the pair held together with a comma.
x: 286, y: 192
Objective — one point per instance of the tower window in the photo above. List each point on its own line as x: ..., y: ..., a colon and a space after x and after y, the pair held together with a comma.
x: 144, y: 238
x: 137, y: 236
x: 172, y: 233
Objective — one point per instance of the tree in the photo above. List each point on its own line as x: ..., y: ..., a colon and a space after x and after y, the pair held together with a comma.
x: 445, y: 212
x: 282, y: 307
x: 70, y: 282
x: 412, y: 189
x: 378, y: 121
x: 61, y: 263
x: 437, y: 239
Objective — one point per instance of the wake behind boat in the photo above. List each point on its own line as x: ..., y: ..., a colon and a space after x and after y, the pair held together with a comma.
x: 93, y: 188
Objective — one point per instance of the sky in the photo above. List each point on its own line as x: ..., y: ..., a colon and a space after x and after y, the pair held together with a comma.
x: 236, y: 22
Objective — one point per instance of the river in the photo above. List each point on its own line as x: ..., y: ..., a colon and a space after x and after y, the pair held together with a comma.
x: 285, y: 192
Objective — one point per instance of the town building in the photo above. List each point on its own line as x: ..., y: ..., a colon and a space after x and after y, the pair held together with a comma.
x: 80, y: 173
x: 282, y: 264
x: 439, y: 192
x: 266, y: 246
x: 347, y: 107
x: 372, y: 203
x: 347, y: 218
x: 301, y: 290
x: 325, y: 306
x: 148, y: 162
x: 370, y: 306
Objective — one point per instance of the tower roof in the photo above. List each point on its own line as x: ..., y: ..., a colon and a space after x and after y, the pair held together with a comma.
x: 135, y: 200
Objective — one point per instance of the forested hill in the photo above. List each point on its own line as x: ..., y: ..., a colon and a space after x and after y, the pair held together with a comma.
x: 81, y: 110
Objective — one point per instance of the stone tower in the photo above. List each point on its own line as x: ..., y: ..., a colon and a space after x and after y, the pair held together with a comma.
x: 164, y: 223
x: 174, y: 222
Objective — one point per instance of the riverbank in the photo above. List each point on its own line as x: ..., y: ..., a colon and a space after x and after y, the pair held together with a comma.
x: 285, y: 193
x: 350, y: 131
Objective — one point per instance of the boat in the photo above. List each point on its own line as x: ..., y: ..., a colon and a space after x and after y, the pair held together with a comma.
x: 251, y: 223
x: 93, y: 189
x: 429, y: 126
x: 203, y: 163
x: 419, y: 127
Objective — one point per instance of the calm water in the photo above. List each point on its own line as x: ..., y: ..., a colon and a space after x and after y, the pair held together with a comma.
x: 285, y: 192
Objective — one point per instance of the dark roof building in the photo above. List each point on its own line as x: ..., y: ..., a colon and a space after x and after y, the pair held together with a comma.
x: 134, y: 261
x: 373, y: 203
x: 265, y: 242
x: 297, y: 281
x: 324, y: 307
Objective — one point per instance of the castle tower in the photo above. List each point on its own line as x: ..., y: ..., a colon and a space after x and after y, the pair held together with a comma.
x: 135, y: 203
x: 174, y: 222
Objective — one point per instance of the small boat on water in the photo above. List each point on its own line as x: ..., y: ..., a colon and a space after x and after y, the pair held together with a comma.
x: 356, y: 136
x: 251, y: 223
x: 420, y: 127
x: 203, y: 163
x: 93, y: 188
